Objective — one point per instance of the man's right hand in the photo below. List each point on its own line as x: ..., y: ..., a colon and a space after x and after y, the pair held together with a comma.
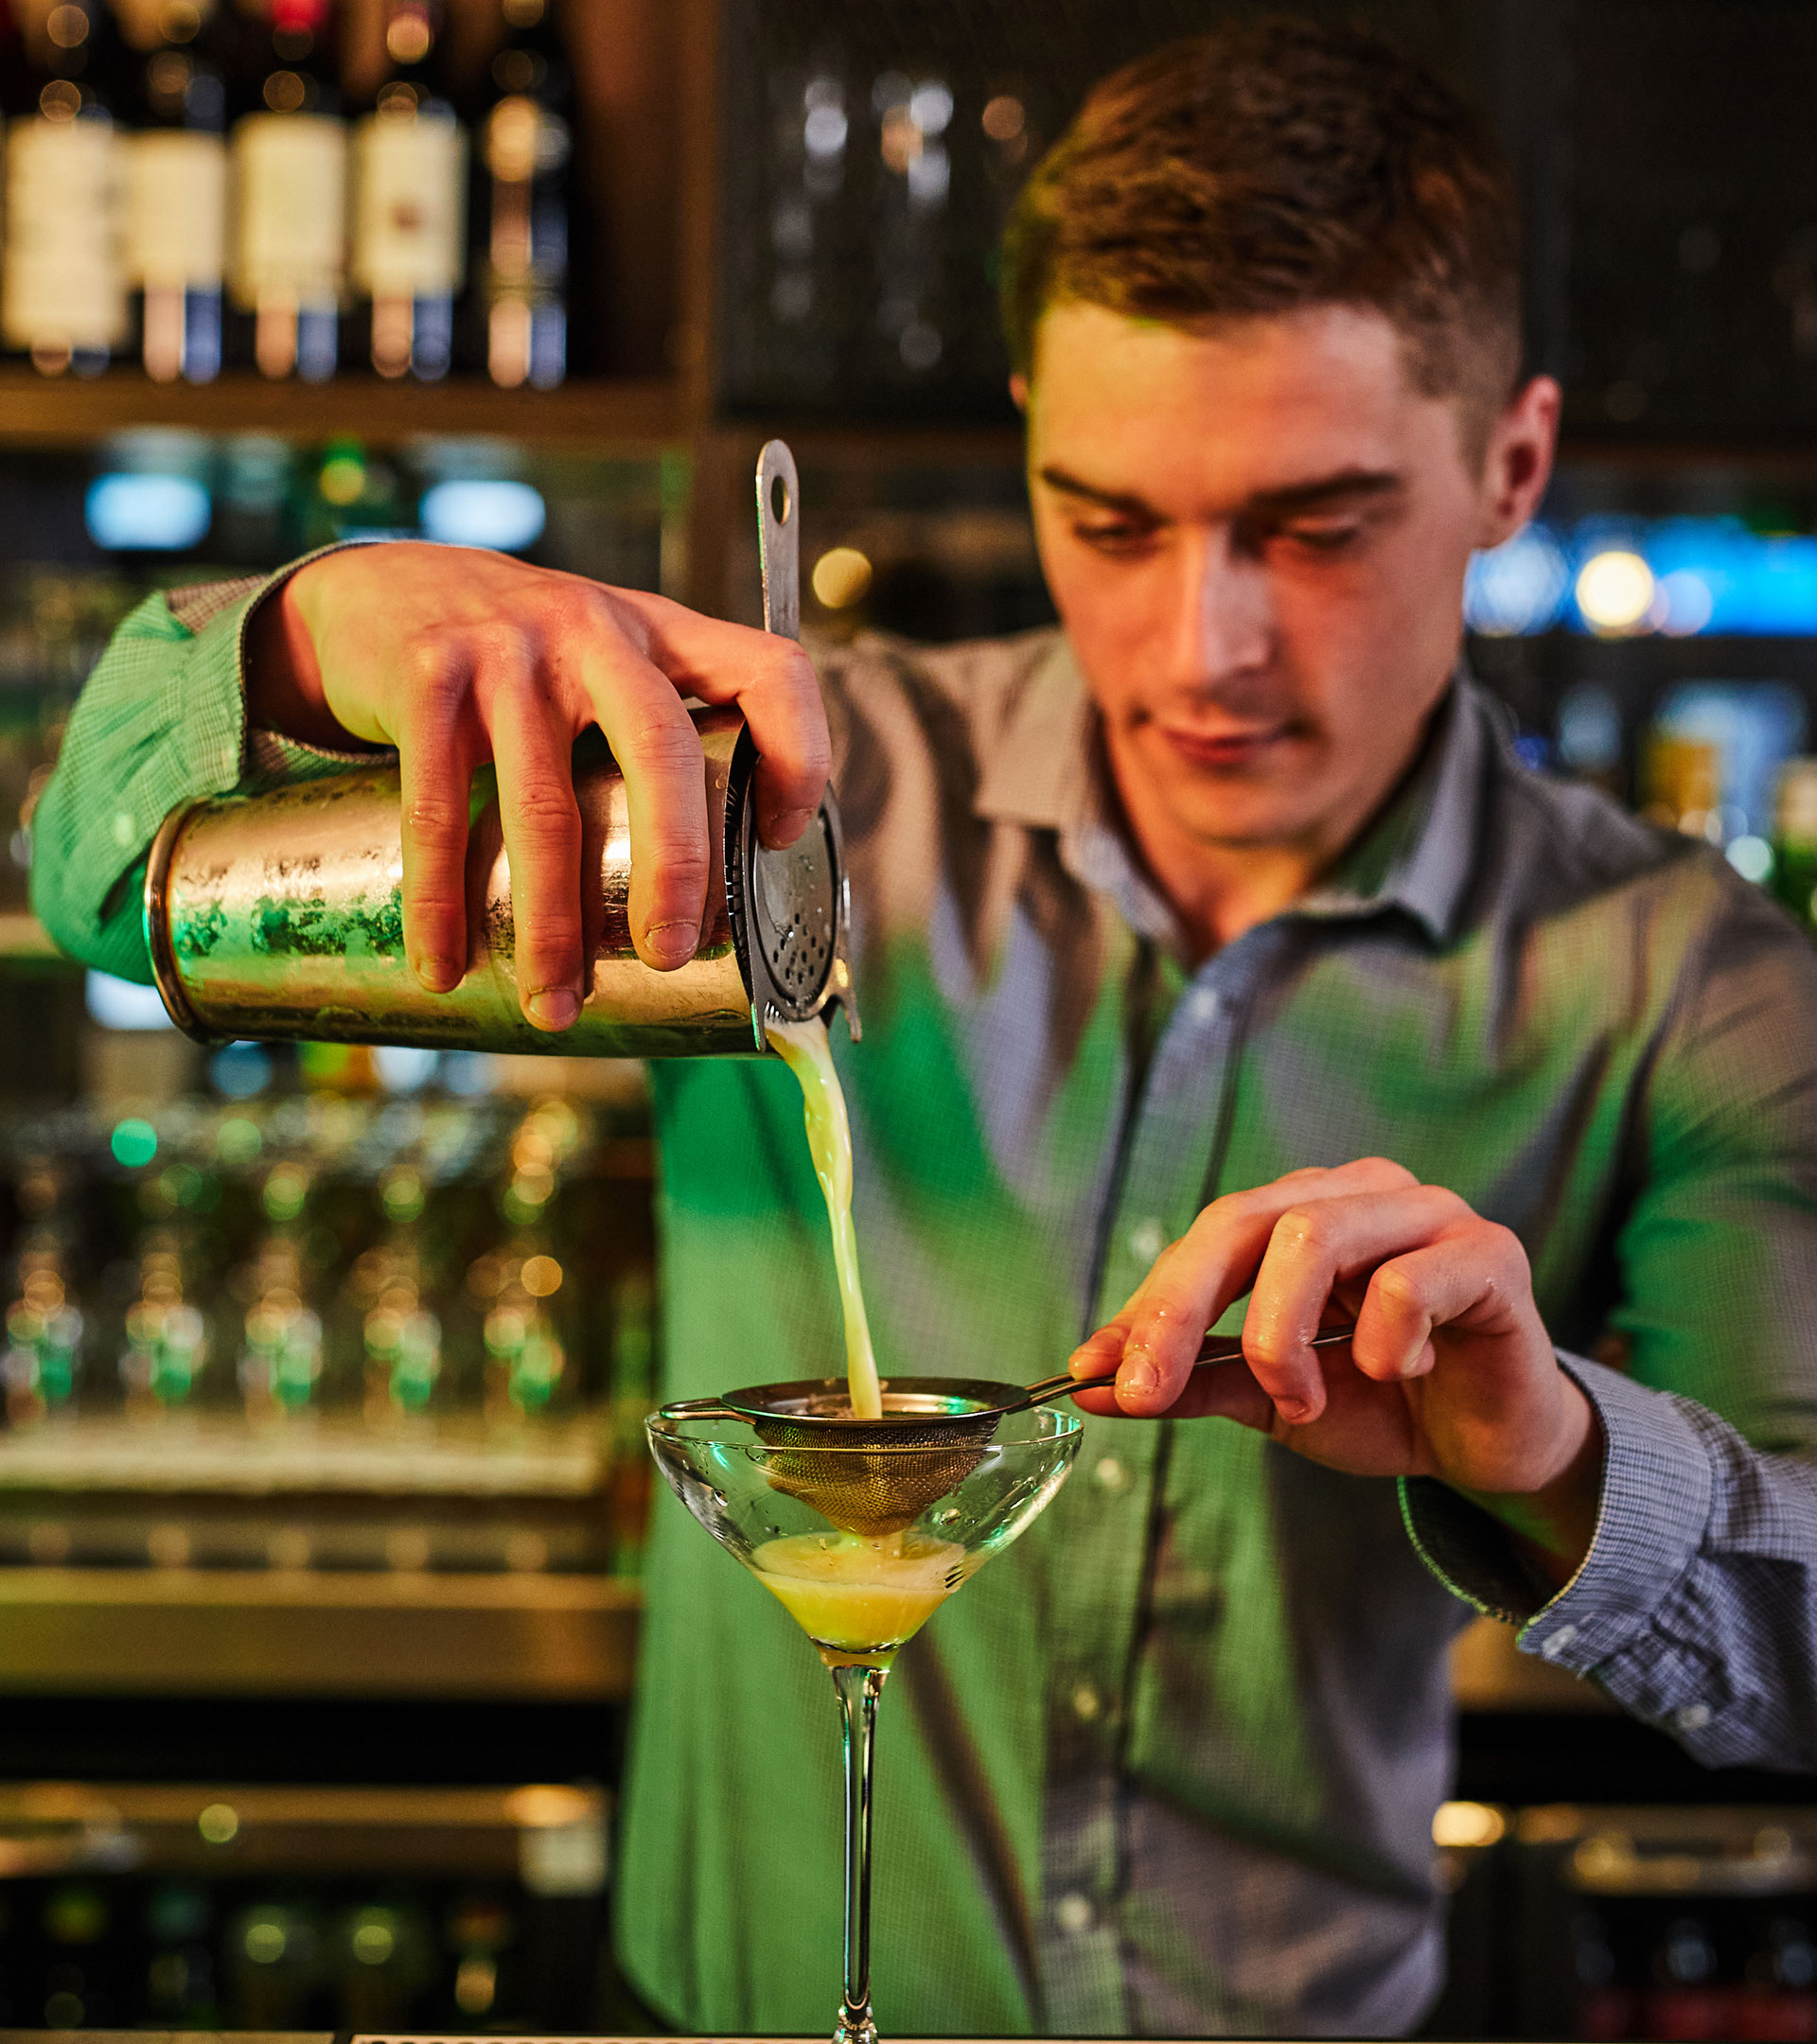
x: 458, y: 658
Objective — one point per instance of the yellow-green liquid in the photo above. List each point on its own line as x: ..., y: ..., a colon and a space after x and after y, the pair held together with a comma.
x: 860, y: 1599
x: 806, y: 1050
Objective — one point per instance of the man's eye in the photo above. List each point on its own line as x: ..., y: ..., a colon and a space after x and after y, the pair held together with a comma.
x: 1118, y: 536
x: 1323, y: 539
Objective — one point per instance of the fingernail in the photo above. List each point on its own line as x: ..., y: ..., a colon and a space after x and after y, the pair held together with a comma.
x: 1295, y: 1411
x: 673, y: 944
x: 786, y: 826
x: 1138, y: 1377
x: 555, y: 1008
x: 439, y: 975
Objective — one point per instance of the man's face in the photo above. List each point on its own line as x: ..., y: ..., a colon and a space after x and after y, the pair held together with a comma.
x: 1255, y: 537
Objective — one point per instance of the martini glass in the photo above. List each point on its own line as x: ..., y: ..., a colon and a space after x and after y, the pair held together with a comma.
x: 814, y: 1524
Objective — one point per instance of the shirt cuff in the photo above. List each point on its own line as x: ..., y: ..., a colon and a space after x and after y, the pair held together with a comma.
x: 1657, y: 1489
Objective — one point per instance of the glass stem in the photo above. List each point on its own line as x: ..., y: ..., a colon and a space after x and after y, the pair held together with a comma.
x: 858, y: 1690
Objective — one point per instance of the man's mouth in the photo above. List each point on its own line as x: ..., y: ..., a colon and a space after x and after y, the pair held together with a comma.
x: 1241, y: 745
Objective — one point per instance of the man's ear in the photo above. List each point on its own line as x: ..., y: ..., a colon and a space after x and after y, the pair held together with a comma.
x: 1517, y: 464
x: 1019, y: 391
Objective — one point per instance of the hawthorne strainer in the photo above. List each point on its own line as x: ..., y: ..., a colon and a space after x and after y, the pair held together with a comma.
x: 876, y: 1476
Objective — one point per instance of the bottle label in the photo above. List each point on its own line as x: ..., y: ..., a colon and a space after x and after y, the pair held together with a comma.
x: 176, y: 210
x: 60, y: 284
x: 410, y: 206
x: 290, y: 197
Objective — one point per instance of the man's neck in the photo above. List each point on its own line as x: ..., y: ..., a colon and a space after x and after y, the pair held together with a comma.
x: 1219, y: 891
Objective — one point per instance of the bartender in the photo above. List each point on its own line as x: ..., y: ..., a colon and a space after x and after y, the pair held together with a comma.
x: 1234, y: 876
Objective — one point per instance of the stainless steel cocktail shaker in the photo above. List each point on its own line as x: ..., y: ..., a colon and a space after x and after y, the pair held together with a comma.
x: 280, y: 914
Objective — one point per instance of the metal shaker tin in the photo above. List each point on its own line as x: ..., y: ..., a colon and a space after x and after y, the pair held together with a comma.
x: 279, y: 914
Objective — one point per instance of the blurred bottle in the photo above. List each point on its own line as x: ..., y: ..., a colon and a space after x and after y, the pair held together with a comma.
x: 523, y: 144
x: 401, y: 1331
x: 480, y: 1929
x: 40, y: 1364
x: 1794, y: 841
x: 1687, y: 1998
x: 384, y: 1957
x: 289, y: 160
x: 274, y: 1963
x: 180, y: 1973
x: 526, y: 1359
x: 176, y: 185
x: 165, y: 1346
x: 281, y: 1357
x: 1778, y: 2004
x: 410, y: 202
x: 1605, y: 2003
x: 63, y: 292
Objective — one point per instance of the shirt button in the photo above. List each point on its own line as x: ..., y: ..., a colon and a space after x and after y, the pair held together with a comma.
x: 1111, y: 1476
x: 1694, y: 1717
x: 1072, y: 1912
x: 1086, y: 1703
x: 1204, y: 1005
x: 1559, y: 1642
x: 1147, y: 1239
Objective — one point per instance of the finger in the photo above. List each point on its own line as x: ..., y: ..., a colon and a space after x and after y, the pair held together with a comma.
x: 1212, y: 1264
x: 533, y: 750
x: 435, y: 757
x: 773, y: 684
x: 657, y: 750
x: 1476, y: 1275
x: 1099, y: 1355
x: 1313, y: 1248
x: 1218, y: 1391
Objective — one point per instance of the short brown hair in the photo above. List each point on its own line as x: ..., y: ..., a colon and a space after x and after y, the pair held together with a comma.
x: 1273, y: 164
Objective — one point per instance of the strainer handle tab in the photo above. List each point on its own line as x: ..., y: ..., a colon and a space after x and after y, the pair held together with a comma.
x: 779, y: 538
x: 696, y: 1408
x: 1215, y: 1348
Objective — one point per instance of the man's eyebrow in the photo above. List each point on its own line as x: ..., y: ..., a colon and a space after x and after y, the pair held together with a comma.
x: 1127, y: 502
x: 1345, y: 485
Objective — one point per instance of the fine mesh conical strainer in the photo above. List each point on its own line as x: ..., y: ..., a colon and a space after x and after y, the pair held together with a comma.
x: 876, y: 1476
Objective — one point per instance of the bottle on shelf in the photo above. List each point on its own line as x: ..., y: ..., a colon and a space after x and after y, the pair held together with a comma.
x: 175, y: 185
x: 281, y: 1359
x: 62, y: 296
x: 42, y: 1361
x: 289, y: 164
x: 410, y: 202
x: 165, y: 1345
x: 401, y: 1332
x: 523, y: 144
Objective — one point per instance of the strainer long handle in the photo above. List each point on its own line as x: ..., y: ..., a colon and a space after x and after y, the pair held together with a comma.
x: 1213, y: 1349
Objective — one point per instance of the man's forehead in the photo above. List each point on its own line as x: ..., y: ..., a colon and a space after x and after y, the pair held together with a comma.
x: 1269, y: 405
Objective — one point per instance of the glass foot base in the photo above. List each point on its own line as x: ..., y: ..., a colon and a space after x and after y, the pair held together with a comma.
x: 855, y: 2026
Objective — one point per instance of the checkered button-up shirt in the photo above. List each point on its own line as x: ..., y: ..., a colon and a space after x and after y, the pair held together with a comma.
x: 1170, y: 1763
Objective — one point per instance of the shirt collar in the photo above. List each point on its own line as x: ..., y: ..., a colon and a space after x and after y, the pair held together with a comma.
x: 1047, y: 771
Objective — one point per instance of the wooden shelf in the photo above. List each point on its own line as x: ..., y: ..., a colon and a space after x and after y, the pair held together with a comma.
x: 272, y: 1632
x: 592, y: 417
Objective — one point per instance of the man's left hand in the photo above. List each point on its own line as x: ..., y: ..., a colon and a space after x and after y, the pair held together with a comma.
x: 1450, y: 1372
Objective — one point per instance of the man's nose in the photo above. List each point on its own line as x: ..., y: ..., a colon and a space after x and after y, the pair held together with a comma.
x: 1225, y: 621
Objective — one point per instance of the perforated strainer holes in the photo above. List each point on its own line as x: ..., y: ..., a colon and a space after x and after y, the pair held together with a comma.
x: 795, y: 915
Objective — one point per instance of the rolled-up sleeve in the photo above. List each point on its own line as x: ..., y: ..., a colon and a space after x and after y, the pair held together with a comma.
x: 1695, y: 1608
x: 161, y: 721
